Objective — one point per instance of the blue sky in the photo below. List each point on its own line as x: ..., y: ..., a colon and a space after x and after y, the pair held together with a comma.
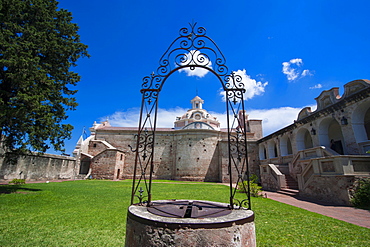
x: 287, y: 51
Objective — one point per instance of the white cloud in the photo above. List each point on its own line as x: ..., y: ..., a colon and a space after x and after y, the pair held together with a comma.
x: 201, y: 59
x: 251, y: 86
x: 198, y: 72
x: 272, y: 119
x: 293, y: 71
x: 297, y: 61
x: 316, y: 86
x: 306, y: 72
x: 275, y: 118
x: 130, y: 118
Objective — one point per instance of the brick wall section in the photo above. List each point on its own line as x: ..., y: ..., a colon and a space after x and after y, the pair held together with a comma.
x: 109, y: 164
x: 96, y: 147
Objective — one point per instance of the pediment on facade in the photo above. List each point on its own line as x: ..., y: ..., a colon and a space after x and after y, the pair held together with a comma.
x: 355, y: 86
x: 305, y: 112
x: 327, y: 98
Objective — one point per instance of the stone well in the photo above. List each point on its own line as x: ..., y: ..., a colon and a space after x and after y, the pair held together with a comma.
x: 189, y: 223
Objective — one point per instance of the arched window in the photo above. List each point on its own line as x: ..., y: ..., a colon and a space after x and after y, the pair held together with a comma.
x: 307, y: 140
x: 336, y: 137
x: 360, y: 121
x: 285, y: 146
x: 272, y: 149
x: 303, y: 139
x: 289, y: 147
x: 262, y: 152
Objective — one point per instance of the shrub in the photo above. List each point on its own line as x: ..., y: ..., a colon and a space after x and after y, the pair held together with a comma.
x: 17, y: 181
x: 361, y: 193
x: 253, y: 178
x: 255, y: 189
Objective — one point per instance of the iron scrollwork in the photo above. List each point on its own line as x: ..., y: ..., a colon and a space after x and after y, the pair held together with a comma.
x: 145, y: 144
x: 240, y: 204
x: 192, y: 49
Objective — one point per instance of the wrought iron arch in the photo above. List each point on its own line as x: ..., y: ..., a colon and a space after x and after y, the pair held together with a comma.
x: 192, y: 49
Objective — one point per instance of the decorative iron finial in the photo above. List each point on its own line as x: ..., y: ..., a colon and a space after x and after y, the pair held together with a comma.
x: 141, y: 197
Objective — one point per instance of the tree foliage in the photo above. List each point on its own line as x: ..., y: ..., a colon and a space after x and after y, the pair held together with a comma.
x: 38, y: 46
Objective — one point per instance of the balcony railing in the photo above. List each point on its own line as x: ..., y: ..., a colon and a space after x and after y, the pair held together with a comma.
x: 317, y: 161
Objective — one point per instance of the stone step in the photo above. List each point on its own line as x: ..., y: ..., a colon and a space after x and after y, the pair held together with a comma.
x: 289, y: 192
x: 292, y: 187
x: 290, y: 182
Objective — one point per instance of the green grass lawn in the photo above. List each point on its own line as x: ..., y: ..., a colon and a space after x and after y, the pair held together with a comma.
x: 93, y: 213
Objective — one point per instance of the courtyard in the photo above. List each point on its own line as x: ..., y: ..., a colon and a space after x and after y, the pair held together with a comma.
x: 93, y: 213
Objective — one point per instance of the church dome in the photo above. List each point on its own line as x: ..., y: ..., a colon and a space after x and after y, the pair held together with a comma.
x: 197, y: 115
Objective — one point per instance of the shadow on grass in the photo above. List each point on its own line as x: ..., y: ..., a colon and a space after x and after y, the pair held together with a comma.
x: 8, y: 189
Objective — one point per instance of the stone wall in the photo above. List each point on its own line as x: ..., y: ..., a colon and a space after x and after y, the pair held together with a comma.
x: 235, y: 229
x: 252, y: 161
x: 268, y: 181
x: 186, y: 155
x: 38, y: 167
x: 331, y: 189
x: 197, y: 156
x: 256, y: 128
x: 192, y: 154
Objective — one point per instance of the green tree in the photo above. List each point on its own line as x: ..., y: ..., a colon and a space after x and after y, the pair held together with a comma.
x: 38, y: 46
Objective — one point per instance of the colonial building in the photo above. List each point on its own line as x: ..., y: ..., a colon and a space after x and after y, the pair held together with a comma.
x: 321, y: 154
x: 195, y: 149
x: 324, y: 151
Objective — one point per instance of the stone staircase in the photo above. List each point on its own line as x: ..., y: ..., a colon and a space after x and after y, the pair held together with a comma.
x: 291, y: 188
x: 290, y: 182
